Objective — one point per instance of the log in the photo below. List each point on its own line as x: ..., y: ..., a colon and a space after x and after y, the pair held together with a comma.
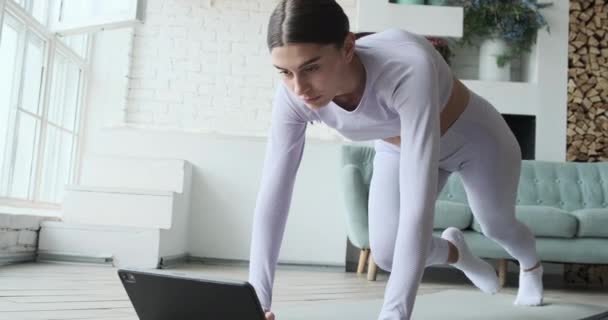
x: 587, y: 118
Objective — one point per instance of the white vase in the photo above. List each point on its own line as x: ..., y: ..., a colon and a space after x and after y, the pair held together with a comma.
x: 489, y: 70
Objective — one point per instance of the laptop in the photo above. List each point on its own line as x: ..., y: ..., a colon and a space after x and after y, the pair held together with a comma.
x: 169, y: 296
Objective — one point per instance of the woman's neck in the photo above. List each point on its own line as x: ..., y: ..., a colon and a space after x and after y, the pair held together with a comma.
x: 355, y: 79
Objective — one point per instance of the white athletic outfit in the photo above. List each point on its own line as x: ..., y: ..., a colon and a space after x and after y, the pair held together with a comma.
x: 407, y: 85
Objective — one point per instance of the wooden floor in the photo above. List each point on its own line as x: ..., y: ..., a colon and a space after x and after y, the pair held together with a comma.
x: 74, y: 291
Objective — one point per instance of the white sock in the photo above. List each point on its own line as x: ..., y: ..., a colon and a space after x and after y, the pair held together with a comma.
x: 481, y: 273
x: 530, y: 291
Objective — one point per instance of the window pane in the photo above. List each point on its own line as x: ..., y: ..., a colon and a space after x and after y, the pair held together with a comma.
x: 78, y: 43
x: 37, y: 8
x: 25, y: 161
x: 72, y: 85
x: 40, y: 10
x: 60, y: 69
x: 76, y: 10
x: 51, y: 161
x: 8, y: 88
x: 65, y: 93
x: 8, y: 61
x: 57, y: 89
x: 21, y: 3
x: 58, y: 159
x: 34, y: 61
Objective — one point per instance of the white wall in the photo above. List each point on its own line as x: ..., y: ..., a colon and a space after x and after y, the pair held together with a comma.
x: 225, y: 180
x: 204, y: 65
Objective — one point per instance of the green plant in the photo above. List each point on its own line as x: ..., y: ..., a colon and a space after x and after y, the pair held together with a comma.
x: 514, y: 21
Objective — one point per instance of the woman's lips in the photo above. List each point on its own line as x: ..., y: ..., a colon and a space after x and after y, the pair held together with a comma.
x: 311, y: 99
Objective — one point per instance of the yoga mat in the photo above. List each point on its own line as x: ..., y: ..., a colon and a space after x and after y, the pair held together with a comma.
x: 446, y: 305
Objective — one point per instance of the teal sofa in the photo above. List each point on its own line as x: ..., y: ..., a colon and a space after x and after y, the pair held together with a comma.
x: 565, y: 205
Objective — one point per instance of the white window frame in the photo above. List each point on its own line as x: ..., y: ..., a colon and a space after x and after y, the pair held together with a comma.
x: 23, y: 47
x: 53, y: 43
x: 129, y: 15
x: 2, y: 5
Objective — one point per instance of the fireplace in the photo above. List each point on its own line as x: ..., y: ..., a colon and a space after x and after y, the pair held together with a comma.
x: 524, y: 128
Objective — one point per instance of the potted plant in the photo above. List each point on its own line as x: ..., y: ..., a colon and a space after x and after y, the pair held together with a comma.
x: 506, y: 28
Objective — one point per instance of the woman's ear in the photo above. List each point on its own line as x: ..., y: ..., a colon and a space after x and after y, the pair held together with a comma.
x: 349, y: 47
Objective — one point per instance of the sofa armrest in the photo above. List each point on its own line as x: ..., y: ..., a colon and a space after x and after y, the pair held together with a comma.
x: 355, y: 194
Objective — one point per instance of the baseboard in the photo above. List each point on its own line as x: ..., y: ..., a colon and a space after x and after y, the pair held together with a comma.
x: 217, y: 261
x: 173, y: 261
x: 44, y: 256
x: 280, y: 265
x: 14, y: 258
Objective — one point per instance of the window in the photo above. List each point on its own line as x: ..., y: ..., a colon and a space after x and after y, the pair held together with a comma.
x: 39, y: 9
x: 40, y: 105
x: 62, y: 134
x: 8, y: 58
x: 2, y: 3
x: 27, y: 119
x: 78, y: 43
x: 83, y: 16
x: 43, y: 59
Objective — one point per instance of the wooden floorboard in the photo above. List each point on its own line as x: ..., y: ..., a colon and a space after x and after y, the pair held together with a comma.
x: 53, y: 291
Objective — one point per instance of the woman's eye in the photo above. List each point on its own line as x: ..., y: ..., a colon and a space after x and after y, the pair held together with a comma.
x: 311, y: 69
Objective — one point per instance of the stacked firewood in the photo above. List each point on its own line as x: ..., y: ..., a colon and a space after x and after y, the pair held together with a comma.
x: 588, y: 81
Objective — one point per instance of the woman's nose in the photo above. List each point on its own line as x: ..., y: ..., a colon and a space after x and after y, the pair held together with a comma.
x: 300, y: 87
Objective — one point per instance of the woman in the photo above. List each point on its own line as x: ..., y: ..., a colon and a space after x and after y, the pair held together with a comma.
x: 395, y: 88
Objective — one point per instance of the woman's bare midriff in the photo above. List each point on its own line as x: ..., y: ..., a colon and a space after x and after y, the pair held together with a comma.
x: 458, y: 101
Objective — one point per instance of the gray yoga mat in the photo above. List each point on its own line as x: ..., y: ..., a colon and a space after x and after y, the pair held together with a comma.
x: 448, y: 304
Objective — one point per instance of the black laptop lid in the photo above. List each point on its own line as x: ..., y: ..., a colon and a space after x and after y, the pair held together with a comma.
x: 167, y: 297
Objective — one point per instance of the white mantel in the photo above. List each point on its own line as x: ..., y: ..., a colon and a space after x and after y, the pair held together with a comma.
x: 377, y: 15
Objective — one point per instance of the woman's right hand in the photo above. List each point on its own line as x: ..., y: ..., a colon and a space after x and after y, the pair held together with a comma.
x: 270, y: 316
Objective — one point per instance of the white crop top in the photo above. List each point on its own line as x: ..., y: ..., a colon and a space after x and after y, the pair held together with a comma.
x: 407, y: 84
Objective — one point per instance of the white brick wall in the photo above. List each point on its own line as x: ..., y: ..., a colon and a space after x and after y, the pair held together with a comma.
x: 203, y: 65
x: 19, y: 233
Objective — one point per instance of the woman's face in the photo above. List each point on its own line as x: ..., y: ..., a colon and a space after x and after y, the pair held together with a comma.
x: 311, y: 71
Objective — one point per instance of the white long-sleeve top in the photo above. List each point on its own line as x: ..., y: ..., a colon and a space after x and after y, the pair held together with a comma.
x: 407, y: 84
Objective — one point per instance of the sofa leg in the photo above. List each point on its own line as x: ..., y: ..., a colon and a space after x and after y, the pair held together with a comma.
x: 363, y: 255
x: 372, y: 269
x: 502, y: 272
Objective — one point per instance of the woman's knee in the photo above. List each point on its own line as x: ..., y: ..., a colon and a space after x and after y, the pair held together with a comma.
x: 383, y: 259
x: 500, y: 229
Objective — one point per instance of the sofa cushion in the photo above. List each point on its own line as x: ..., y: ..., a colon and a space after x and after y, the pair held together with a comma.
x: 452, y: 214
x: 592, y: 222
x: 583, y: 250
x: 545, y: 221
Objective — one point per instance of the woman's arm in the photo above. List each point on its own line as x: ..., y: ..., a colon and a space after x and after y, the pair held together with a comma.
x: 416, y: 100
x: 283, y: 154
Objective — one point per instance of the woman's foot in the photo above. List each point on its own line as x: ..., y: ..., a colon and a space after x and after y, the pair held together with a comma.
x: 530, y: 291
x: 481, y: 273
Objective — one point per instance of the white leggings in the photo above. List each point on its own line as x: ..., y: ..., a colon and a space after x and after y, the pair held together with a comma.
x: 483, y: 150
